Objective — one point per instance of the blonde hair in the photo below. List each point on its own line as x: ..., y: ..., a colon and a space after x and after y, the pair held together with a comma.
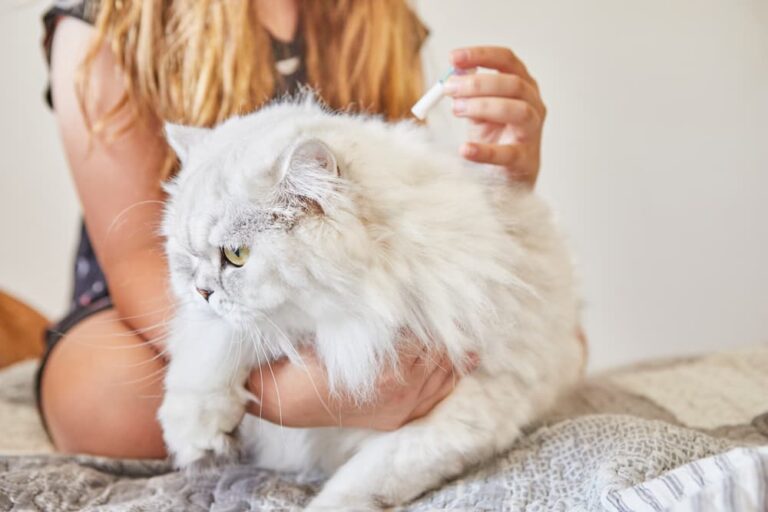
x: 198, y: 62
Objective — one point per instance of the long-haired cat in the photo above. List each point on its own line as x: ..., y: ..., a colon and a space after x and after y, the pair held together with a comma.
x: 296, y: 226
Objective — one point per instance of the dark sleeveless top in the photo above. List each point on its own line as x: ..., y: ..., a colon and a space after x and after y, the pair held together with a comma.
x: 90, y: 287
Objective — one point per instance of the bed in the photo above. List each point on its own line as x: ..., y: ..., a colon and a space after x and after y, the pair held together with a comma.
x: 675, y: 435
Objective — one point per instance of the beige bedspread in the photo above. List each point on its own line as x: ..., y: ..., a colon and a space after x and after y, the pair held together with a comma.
x: 609, y: 446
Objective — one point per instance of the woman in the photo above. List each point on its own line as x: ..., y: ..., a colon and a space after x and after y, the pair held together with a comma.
x: 197, y: 62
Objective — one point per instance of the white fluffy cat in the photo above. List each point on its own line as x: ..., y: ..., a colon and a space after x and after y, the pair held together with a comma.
x: 292, y: 225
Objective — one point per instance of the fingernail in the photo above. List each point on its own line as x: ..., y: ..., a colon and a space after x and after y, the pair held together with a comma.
x: 459, y: 106
x: 459, y: 56
x: 468, y: 151
x: 450, y: 87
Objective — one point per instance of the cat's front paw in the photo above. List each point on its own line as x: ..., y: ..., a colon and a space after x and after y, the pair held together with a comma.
x: 197, y: 426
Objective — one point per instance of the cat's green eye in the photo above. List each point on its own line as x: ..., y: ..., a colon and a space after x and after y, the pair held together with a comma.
x: 236, y: 257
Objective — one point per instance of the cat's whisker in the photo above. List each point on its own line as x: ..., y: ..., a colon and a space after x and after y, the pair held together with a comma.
x: 227, y: 363
x: 152, y: 342
x: 127, y: 334
x: 261, y: 380
x: 143, y: 330
x: 224, y: 364
x: 158, y: 379
x: 282, y: 333
x: 239, y: 346
x: 119, y: 216
x: 156, y: 376
x: 320, y: 396
x: 159, y: 355
x: 431, y: 360
x: 274, y: 380
x: 142, y: 315
x: 301, y: 364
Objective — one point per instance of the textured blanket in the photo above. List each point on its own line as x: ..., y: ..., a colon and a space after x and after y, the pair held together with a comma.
x: 680, y: 435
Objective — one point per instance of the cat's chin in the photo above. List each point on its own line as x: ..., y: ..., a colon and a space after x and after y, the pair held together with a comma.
x: 240, y: 321
x: 220, y: 310
x: 233, y: 318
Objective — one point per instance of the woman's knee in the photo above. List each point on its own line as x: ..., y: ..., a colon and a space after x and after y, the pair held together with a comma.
x: 100, y: 391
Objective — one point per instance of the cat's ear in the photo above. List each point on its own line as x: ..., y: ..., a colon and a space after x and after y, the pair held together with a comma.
x: 183, y: 138
x: 311, y: 154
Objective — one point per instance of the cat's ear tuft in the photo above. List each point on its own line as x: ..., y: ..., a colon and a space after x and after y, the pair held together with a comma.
x: 312, y: 154
x: 183, y: 138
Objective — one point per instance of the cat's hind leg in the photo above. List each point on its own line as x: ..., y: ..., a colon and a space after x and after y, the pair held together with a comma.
x: 480, y: 418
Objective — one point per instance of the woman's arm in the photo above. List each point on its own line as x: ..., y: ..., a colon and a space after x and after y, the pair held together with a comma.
x: 422, y: 382
x: 118, y: 180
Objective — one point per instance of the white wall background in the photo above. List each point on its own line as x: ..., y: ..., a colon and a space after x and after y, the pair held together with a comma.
x: 656, y: 158
x: 38, y: 206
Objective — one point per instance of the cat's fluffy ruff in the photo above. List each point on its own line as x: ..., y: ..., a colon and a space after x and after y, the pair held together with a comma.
x: 359, y: 229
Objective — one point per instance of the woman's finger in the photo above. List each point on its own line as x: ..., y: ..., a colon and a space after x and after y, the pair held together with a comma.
x: 435, y: 376
x: 441, y: 385
x: 500, y: 85
x: 410, y: 351
x: 471, y: 362
x: 511, y: 156
x: 505, y: 111
x: 497, y: 154
x: 493, y: 57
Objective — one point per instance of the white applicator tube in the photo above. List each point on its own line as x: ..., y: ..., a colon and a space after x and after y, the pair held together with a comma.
x: 431, y: 98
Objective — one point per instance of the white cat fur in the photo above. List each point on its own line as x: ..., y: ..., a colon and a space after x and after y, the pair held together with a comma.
x: 406, y: 236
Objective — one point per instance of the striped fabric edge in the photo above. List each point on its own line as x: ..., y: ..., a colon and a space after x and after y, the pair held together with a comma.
x: 734, y: 481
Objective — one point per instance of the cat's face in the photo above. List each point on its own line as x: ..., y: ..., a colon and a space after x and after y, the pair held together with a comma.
x: 253, y: 220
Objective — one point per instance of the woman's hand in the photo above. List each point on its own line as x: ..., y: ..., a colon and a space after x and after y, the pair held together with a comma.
x: 504, y: 108
x: 296, y: 396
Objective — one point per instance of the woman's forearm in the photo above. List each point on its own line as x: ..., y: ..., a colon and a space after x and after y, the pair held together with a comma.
x: 140, y: 292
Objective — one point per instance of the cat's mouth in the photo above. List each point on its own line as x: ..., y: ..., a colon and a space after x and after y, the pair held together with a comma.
x: 219, y: 306
x: 232, y: 313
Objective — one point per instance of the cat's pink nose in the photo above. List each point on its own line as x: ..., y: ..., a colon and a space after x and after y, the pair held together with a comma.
x: 204, y: 293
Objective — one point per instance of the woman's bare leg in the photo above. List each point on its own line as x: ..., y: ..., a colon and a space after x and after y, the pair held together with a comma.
x: 101, y: 389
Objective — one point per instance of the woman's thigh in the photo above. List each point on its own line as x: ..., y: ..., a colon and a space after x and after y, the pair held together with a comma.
x: 101, y: 388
